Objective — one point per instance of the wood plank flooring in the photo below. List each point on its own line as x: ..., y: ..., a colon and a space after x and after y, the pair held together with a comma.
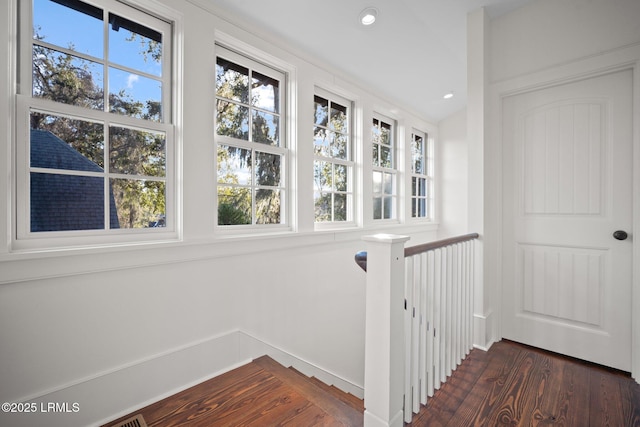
x: 510, y: 385
x: 517, y: 385
x: 262, y: 393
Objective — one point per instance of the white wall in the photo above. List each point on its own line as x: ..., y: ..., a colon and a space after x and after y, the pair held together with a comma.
x: 545, y: 42
x: 453, y: 174
x: 113, y: 328
x: 549, y: 33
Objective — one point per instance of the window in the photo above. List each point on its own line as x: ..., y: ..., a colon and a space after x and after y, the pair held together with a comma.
x: 333, y: 159
x: 385, y: 169
x: 96, y: 99
x: 421, y: 176
x: 251, y: 148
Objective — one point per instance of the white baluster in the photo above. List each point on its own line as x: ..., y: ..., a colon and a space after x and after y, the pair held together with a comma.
x: 424, y: 332
x: 415, y: 336
x: 430, y: 271
x: 408, y: 302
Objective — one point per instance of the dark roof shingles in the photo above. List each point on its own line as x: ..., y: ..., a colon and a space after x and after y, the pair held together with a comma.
x: 65, y: 202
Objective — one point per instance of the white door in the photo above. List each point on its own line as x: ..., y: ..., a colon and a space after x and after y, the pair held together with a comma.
x: 567, y: 188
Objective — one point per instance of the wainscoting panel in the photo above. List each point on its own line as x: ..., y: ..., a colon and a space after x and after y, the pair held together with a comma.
x: 562, y: 283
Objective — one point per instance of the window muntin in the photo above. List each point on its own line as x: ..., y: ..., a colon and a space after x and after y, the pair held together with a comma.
x: 251, y: 153
x: 385, y: 169
x: 94, y: 161
x: 333, y: 164
x: 421, y: 176
x: 132, y: 66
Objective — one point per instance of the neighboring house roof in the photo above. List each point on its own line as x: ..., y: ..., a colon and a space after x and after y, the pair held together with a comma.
x: 66, y: 202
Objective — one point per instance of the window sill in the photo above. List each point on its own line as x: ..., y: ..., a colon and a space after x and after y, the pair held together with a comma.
x: 22, y: 266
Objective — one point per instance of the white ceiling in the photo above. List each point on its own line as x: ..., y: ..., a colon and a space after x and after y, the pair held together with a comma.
x: 412, y: 55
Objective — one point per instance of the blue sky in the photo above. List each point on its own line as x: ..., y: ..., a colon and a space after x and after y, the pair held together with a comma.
x: 65, y: 27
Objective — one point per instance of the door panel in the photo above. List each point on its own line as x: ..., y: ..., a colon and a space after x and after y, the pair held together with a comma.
x: 567, y: 186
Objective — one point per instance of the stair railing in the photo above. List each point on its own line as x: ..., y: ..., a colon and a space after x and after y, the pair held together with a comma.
x: 419, y: 321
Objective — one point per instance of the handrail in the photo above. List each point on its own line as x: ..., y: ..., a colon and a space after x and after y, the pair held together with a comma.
x: 425, y: 247
x: 361, y: 257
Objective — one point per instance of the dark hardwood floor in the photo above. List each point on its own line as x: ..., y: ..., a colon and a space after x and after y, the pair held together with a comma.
x: 510, y: 385
x: 262, y: 393
x: 517, y: 385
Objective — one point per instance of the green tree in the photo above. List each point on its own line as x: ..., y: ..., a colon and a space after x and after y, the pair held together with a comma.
x: 330, y: 178
x: 64, y: 78
x: 243, y: 202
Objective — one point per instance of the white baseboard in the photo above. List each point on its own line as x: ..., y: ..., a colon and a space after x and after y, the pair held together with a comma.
x: 121, y: 390
x: 371, y: 420
x: 106, y: 396
x: 252, y: 347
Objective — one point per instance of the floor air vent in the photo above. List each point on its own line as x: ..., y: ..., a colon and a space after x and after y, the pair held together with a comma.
x: 136, y: 421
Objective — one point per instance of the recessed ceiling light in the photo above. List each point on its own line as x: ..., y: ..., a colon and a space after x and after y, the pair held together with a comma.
x: 448, y: 95
x: 368, y: 16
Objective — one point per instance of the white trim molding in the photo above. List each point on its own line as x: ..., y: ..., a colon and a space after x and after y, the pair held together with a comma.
x: 123, y: 389
x: 622, y: 58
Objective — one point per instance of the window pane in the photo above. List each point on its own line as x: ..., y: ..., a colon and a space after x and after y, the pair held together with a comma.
x: 422, y: 187
x: 388, y: 183
x: 232, y: 81
x: 51, y: 23
x: 375, y: 132
x: 340, y: 207
x: 134, y: 45
x: 340, y: 177
x: 388, y: 207
x: 376, y: 155
x: 386, y: 160
x: 418, y: 164
x: 66, y: 202
x: 134, y: 95
x: 321, y: 111
x: 417, y: 155
x: 377, y: 182
x: 323, y: 205
x: 234, y: 165
x: 232, y: 120
x: 339, y: 118
x: 377, y: 208
x: 322, y: 176
x: 63, y: 143
x: 385, y: 133
x: 266, y: 129
x: 268, y: 169
x: 268, y: 206
x: 339, y: 146
x: 234, y: 205
x: 139, y: 203
x: 264, y: 92
x: 136, y: 152
x: 67, y: 79
x: 321, y: 142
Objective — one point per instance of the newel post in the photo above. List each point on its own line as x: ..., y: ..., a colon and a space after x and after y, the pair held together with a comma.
x: 384, y: 331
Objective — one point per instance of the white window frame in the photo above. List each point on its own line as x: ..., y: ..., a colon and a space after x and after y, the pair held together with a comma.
x: 392, y: 171
x: 350, y: 163
x: 427, y: 175
x: 242, y: 54
x: 160, y: 18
